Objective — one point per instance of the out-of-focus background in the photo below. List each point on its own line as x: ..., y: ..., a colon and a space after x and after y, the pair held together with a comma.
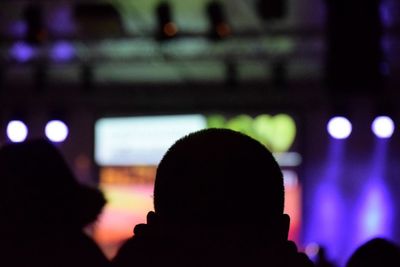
x: 114, y: 83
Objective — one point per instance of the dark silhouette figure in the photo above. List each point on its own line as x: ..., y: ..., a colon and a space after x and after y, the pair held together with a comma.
x: 218, y: 201
x: 44, y: 210
x: 377, y: 252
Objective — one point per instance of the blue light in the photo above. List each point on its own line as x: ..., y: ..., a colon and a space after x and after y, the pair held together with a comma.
x: 22, y: 51
x: 18, y: 28
x: 327, y: 227
x: 62, y: 51
x: 351, y: 201
x: 326, y: 222
x: 388, y: 16
x: 374, y: 210
x: 375, y: 215
x: 63, y: 15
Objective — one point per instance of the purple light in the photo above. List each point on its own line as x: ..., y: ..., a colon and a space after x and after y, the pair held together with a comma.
x: 62, y: 20
x: 384, y: 68
x: 376, y: 210
x: 22, y: 51
x: 385, y: 15
x: 383, y: 127
x: 18, y: 28
x: 374, y: 207
x: 62, y: 51
x: 17, y: 131
x: 312, y: 250
x: 355, y: 203
x: 326, y: 221
x: 56, y: 131
x: 339, y: 127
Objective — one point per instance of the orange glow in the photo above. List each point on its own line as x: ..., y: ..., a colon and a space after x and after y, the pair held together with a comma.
x: 293, y: 209
x: 170, y: 29
x: 223, y: 29
x: 129, y: 194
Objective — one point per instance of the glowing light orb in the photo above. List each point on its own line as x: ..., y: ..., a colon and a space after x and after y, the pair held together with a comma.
x: 339, y: 127
x: 22, y: 52
x: 383, y: 127
x: 62, y: 51
x: 17, y: 131
x: 56, y: 131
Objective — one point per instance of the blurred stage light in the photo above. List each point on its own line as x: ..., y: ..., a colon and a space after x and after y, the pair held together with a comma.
x: 170, y: 29
x: 167, y: 29
x: 339, y: 127
x: 17, y: 131
x: 56, y: 131
x: 62, y: 51
x: 22, y: 51
x: 383, y: 127
x: 219, y: 27
x: 312, y: 250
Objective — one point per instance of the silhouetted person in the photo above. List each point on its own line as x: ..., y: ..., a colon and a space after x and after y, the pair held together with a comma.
x: 44, y: 210
x: 218, y: 201
x: 377, y: 252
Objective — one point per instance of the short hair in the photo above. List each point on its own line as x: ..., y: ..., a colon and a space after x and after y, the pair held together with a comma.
x: 376, y: 252
x: 219, y: 175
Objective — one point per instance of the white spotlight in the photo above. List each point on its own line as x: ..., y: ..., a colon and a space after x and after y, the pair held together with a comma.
x: 56, y: 131
x: 339, y: 127
x: 17, y: 131
x: 383, y: 127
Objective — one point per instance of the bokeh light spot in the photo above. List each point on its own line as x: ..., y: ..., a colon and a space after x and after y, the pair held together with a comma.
x: 383, y: 127
x: 339, y: 127
x: 56, y: 131
x: 17, y: 131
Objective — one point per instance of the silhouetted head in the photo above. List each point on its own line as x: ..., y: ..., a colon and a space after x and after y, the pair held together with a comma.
x: 218, y: 176
x: 39, y: 189
x: 377, y: 252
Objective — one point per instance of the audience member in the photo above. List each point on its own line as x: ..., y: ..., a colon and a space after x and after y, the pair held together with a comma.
x: 44, y: 210
x: 377, y: 252
x: 218, y: 199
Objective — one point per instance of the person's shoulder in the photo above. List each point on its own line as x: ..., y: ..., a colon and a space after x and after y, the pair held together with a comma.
x: 84, y: 250
x: 135, y: 251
